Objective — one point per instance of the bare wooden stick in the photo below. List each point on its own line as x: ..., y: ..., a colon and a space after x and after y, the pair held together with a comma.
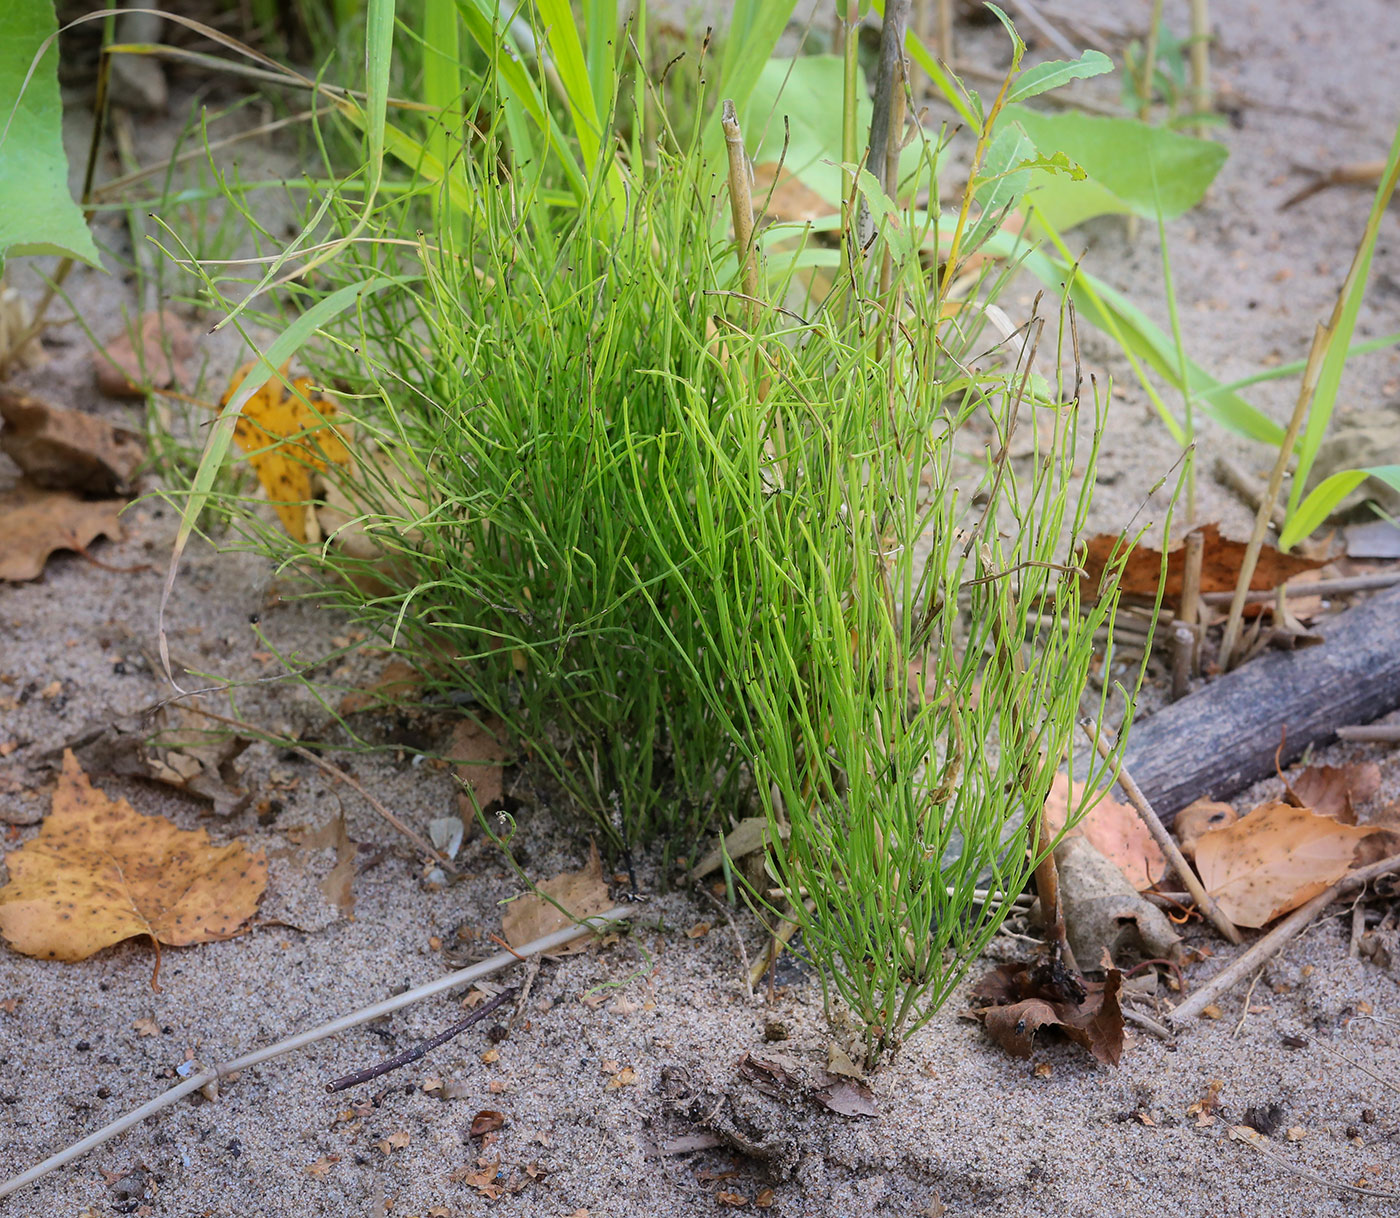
x: 1314, y: 587
x: 1201, y: 99
x: 1047, y: 887
x: 1189, y: 611
x: 1183, y: 651
x: 1272, y: 943
x: 1377, y: 733
x: 1165, y: 840
x: 1311, y: 375
x: 451, y: 981
x: 368, y: 1074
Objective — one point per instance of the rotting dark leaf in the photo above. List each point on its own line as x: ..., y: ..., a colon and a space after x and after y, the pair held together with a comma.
x: 1025, y: 1000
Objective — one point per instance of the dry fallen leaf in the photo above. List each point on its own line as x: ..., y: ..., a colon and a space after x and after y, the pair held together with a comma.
x: 168, y: 744
x: 395, y: 682
x: 34, y: 523
x: 626, y: 1077
x: 322, y: 1166
x: 67, y: 449
x: 479, y: 749
x: 395, y: 1141
x: 338, y: 886
x: 845, y: 1096
x: 791, y: 199
x: 165, y: 344
x: 1114, y: 829
x: 583, y: 893
x: 1333, y: 790
x: 1273, y: 860
x: 488, y: 1120
x: 289, y: 436
x: 146, y: 1026
x: 1025, y: 998
x: 99, y: 872
x: 733, y: 1200
x: 1199, y: 818
x: 1220, y: 566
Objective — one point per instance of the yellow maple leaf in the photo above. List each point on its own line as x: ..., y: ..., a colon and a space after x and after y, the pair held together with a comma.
x: 100, y: 872
x: 288, y: 436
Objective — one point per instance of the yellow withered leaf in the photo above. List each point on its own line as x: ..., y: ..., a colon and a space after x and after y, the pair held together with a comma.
x: 100, y: 872
x: 289, y: 437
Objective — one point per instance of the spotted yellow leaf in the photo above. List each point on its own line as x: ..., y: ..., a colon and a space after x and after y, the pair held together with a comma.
x: 289, y: 437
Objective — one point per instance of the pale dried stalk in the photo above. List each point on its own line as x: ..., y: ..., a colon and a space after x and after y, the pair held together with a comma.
x: 1147, y: 814
x: 1261, y: 520
x: 451, y: 981
x: 741, y: 203
x: 1272, y: 943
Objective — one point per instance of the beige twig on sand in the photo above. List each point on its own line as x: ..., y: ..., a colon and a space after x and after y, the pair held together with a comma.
x: 449, y: 982
x: 1375, y: 733
x: 1251, y: 1137
x: 1164, y: 840
x: 1272, y: 943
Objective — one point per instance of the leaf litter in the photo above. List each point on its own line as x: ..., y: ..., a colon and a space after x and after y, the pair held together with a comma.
x: 70, y: 450
x: 1112, y: 828
x: 36, y: 523
x: 582, y: 893
x: 100, y: 872
x: 1020, y: 999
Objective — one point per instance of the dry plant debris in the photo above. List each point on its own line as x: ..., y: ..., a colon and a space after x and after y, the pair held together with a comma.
x: 288, y: 437
x: 583, y: 893
x: 1114, y: 829
x: 1275, y: 859
x: 1220, y: 565
x: 35, y: 523
x: 479, y: 750
x: 1019, y: 999
x: 338, y: 886
x: 166, y: 744
x: 165, y: 346
x: 396, y: 681
x: 100, y: 872
x: 67, y: 450
x: 1333, y: 790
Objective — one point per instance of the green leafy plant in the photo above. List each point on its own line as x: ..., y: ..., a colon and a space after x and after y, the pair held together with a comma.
x: 706, y: 541
x: 37, y: 214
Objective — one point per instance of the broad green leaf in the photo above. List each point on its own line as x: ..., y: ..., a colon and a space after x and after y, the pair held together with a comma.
x: 1325, y: 496
x: 1046, y: 76
x: 1132, y: 167
x: 37, y: 214
x: 806, y: 93
x: 1004, y: 180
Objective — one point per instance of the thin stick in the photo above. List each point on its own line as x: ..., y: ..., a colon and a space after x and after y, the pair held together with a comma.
x: 738, y: 938
x: 368, y: 1073
x: 1236, y: 478
x: 336, y: 772
x: 1183, y: 650
x: 1164, y: 839
x: 1315, y: 587
x: 1200, y: 62
x: 1378, y: 733
x: 775, y: 948
x: 1047, y: 887
x: 1272, y: 943
x: 1311, y: 375
x: 449, y: 982
x: 1243, y: 1133
x: 1148, y: 1023
x: 1189, y: 611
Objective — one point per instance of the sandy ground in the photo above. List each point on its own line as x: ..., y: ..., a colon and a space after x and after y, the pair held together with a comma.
x: 961, y: 1125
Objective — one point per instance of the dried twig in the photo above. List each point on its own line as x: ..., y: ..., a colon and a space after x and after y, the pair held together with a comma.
x: 1272, y: 943
x: 368, y: 1073
x: 1252, y: 1137
x: 1378, y: 733
x: 449, y: 982
x: 1249, y: 488
x: 1315, y: 587
x: 738, y: 938
x: 1164, y: 839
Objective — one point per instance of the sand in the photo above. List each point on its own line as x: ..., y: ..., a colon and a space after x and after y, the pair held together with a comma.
x: 961, y: 1125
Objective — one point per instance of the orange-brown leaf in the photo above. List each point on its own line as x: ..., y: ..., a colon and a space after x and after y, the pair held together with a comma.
x: 34, y: 523
x: 1275, y: 859
x: 583, y: 893
x: 1220, y: 565
x: 1333, y: 790
x: 1114, y: 829
x: 100, y: 872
